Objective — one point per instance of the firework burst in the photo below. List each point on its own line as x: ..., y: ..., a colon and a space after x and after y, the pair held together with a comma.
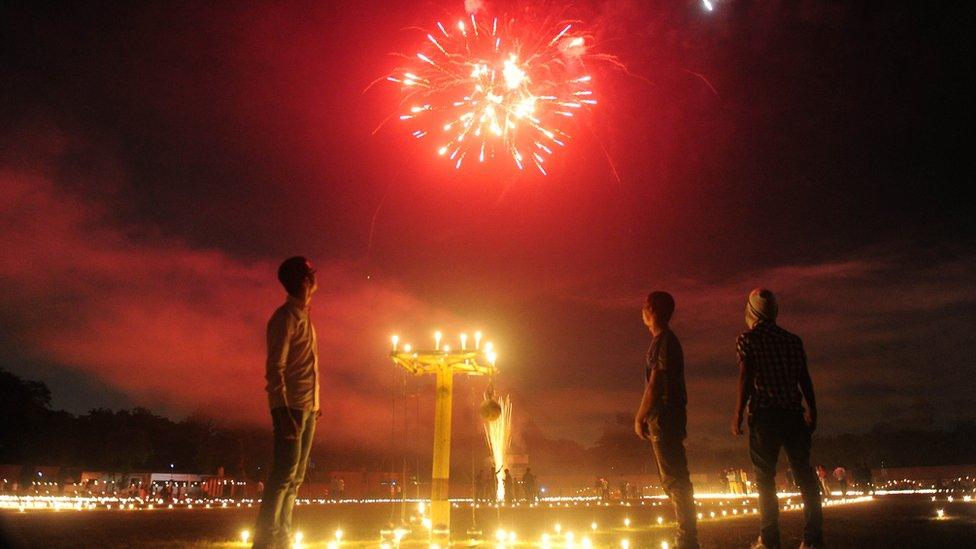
x: 485, y: 87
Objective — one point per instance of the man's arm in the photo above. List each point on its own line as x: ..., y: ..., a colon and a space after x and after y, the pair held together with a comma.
x: 746, y: 384
x: 806, y: 387
x: 280, y: 329
x: 279, y: 340
x: 650, y: 403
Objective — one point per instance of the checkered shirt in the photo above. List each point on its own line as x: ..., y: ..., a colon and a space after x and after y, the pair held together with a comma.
x: 778, y: 360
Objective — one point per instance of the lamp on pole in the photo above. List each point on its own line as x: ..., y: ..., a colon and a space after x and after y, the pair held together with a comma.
x: 443, y: 362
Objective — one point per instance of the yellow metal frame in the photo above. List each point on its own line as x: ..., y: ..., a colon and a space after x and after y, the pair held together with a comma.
x: 474, y: 363
x: 443, y: 365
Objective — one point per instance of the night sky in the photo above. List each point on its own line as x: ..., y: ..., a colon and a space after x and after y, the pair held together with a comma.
x: 158, y: 160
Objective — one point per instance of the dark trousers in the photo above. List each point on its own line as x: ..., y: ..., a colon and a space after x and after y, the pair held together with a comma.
x: 668, y: 441
x: 769, y: 430
x: 287, y: 473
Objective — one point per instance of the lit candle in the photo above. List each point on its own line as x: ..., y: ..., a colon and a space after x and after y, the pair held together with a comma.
x: 447, y: 348
x: 407, y: 348
x: 395, y: 339
x: 477, y: 340
x: 464, y: 341
x: 437, y: 341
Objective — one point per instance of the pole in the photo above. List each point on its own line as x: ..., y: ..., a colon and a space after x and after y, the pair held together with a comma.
x: 440, y: 507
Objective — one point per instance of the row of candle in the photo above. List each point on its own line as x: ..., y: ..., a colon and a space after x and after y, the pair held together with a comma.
x: 395, y: 340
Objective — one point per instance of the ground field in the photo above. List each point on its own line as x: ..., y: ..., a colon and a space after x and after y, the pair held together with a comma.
x: 888, y: 521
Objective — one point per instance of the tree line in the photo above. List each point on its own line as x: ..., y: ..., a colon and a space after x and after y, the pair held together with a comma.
x: 34, y: 434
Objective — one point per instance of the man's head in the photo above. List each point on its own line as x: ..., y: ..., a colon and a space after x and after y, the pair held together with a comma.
x: 761, y: 306
x: 297, y: 276
x: 658, y: 309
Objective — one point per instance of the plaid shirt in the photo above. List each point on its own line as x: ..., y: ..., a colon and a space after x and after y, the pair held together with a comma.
x: 777, y: 359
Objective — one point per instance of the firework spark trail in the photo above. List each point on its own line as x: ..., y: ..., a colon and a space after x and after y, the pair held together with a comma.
x: 487, y: 87
x: 498, y: 434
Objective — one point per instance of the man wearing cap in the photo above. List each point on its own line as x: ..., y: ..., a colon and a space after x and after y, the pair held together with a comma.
x: 292, y: 373
x: 773, y: 382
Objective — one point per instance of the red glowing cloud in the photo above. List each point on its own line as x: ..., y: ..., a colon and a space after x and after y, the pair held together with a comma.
x: 179, y: 327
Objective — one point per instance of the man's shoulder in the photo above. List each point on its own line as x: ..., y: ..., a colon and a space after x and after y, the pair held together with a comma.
x: 283, y: 314
x: 787, y: 335
x: 668, y: 339
x: 666, y: 342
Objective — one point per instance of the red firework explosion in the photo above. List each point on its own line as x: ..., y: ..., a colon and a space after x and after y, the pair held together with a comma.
x: 490, y: 87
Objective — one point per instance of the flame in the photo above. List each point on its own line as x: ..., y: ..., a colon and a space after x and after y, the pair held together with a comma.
x: 498, y: 433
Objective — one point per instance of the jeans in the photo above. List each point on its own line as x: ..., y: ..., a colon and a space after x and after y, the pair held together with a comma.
x: 769, y: 430
x: 668, y: 441
x: 287, y: 473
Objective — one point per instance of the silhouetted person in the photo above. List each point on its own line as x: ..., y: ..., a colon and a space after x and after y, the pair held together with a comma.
x: 479, y: 485
x: 662, y: 417
x: 822, y: 475
x: 293, y: 395
x: 528, y: 485
x: 790, y: 479
x: 773, y: 382
x: 509, y: 483
x: 841, y: 475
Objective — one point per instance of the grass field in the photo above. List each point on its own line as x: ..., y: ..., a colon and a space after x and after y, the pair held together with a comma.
x: 888, y: 521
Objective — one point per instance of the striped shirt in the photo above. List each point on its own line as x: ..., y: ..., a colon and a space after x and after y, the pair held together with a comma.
x: 778, y: 361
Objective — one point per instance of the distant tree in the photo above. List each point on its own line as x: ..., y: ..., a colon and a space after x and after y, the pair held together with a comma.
x: 24, y: 409
x: 130, y: 440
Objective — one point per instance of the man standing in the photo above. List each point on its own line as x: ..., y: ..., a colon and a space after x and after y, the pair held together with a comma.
x: 662, y: 417
x: 293, y: 395
x: 508, y: 481
x: 773, y: 381
x: 528, y: 485
x: 822, y: 475
x: 841, y: 475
